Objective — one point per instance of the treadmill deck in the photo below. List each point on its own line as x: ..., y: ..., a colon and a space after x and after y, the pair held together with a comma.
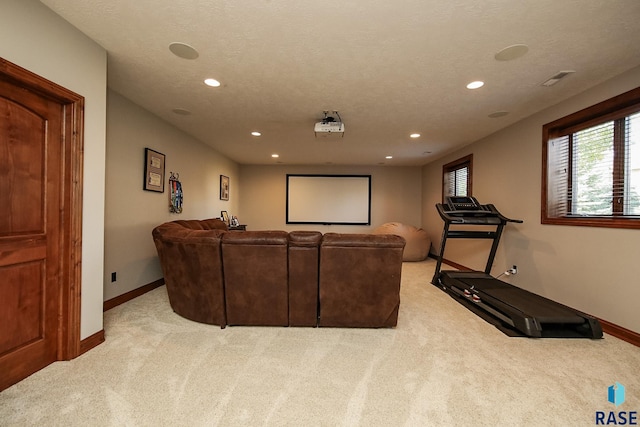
x: 508, y: 301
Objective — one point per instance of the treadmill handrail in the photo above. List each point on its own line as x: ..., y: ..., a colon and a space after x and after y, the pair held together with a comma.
x: 502, y: 217
x: 486, y: 215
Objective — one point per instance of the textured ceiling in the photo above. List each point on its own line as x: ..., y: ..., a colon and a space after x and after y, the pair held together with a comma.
x: 389, y: 68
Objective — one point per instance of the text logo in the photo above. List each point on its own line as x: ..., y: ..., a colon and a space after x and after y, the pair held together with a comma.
x: 616, y: 394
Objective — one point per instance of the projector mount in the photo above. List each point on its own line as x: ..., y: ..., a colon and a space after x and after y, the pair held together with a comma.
x: 330, y: 119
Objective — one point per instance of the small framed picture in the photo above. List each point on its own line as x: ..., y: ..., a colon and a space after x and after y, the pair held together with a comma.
x: 153, y: 171
x: 225, y: 217
x: 224, y: 187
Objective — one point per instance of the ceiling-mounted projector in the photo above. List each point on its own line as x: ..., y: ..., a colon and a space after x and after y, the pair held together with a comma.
x: 329, y: 125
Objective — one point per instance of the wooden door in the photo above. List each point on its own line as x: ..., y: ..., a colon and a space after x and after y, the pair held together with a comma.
x: 36, y: 247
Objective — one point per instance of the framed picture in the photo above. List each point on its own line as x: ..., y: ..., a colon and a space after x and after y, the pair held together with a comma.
x: 225, y: 217
x: 153, y: 171
x: 224, y: 187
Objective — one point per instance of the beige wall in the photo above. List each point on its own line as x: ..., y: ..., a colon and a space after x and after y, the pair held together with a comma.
x: 395, y: 196
x: 35, y: 38
x: 131, y: 212
x: 590, y: 269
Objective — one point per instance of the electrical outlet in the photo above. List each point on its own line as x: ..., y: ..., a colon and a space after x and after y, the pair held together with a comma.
x: 513, y: 270
x: 113, y: 277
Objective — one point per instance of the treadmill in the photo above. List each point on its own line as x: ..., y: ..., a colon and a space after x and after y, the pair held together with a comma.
x: 515, y: 311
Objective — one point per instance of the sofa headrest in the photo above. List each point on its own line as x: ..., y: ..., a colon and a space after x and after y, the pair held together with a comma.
x: 204, y: 224
x: 305, y: 238
x: 177, y: 233
x: 363, y: 240
x: 214, y: 224
x: 255, y: 238
x: 192, y: 224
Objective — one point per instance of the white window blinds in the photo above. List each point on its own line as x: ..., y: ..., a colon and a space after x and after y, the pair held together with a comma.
x: 595, y: 171
x: 455, y: 182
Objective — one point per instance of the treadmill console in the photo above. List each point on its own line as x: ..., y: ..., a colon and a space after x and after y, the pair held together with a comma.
x: 467, y: 210
x: 463, y: 203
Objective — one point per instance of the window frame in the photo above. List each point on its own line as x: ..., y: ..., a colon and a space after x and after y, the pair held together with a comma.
x: 466, y: 161
x: 611, y: 109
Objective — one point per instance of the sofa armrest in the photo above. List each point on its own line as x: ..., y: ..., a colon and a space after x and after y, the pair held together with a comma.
x: 192, y: 268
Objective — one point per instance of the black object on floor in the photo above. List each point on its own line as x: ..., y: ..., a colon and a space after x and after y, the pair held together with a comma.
x: 513, y: 310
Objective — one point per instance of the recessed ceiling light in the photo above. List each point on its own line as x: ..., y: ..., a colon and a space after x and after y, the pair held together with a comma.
x: 512, y: 52
x: 181, y: 111
x: 389, y: 157
x: 414, y: 135
x: 212, y: 82
x: 275, y: 156
x: 497, y: 114
x: 475, y: 85
x: 256, y: 133
x: 183, y: 50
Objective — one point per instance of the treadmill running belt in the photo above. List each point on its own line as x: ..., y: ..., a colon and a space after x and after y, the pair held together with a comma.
x: 533, y: 305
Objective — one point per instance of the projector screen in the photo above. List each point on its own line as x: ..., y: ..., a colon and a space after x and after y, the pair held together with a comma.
x: 329, y: 199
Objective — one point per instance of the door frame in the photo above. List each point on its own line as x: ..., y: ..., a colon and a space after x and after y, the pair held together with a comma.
x: 72, y: 116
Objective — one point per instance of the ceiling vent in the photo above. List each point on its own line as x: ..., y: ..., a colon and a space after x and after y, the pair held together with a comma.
x: 329, y: 125
x: 557, y: 77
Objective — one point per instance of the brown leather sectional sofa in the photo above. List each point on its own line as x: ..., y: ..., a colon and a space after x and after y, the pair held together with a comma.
x: 278, y: 278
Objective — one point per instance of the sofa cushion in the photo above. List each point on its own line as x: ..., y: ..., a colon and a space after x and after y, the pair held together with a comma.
x: 359, y: 284
x: 256, y: 277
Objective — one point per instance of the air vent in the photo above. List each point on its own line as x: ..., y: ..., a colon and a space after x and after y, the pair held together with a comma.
x: 557, y: 77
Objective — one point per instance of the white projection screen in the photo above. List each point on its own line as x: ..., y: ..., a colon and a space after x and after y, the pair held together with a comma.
x: 329, y: 199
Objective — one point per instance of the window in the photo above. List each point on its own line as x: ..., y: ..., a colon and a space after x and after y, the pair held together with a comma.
x: 591, y: 165
x: 456, y: 177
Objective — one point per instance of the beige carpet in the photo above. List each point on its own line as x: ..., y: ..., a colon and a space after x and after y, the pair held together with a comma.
x: 442, y: 365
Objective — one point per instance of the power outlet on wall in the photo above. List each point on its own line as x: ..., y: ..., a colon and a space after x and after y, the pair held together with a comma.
x: 113, y: 277
x: 510, y: 272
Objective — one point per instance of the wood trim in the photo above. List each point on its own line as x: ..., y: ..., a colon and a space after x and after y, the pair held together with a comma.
x: 612, y: 108
x: 99, y: 337
x: 620, y: 332
x: 609, y: 222
x: 121, y: 299
x: 71, y: 346
x: 92, y: 341
x: 607, y: 327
